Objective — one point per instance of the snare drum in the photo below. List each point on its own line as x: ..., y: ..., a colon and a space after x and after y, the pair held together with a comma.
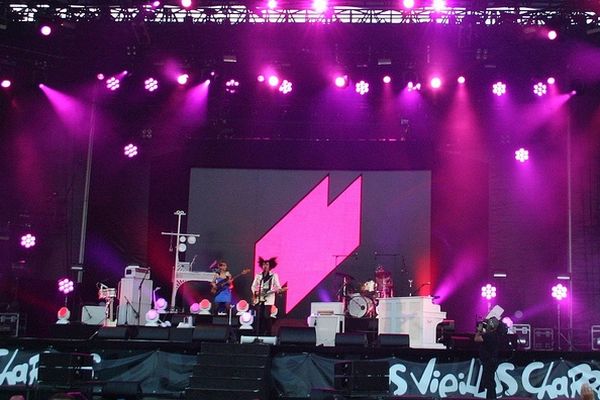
x: 368, y: 287
x: 360, y: 306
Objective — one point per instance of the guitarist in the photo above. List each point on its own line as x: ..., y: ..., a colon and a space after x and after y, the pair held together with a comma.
x: 264, y: 287
x: 221, y: 284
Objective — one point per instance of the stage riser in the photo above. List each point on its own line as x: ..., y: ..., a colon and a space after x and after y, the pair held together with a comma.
x: 234, y: 372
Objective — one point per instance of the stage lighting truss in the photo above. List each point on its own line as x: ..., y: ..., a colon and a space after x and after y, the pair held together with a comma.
x: 351, y: 11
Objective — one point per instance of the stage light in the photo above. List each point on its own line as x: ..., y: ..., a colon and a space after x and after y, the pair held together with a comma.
x: 113, y: 83
x: 182, y: 79
x: 488, y: 291
x: 204, y: 307
x: 151, y: 84
x: 46, y: 30
x: 130, y: 150
x: 499, y: 88
x: 182, y: 247
x: 272, y: 4
x: 285, y: 87
x: 246, y: 320
x: 274, y: 311
x: 408, y: 4
x: 5, y: 83
x: 362, y: 88
x: 152, y: 318
x: 65, y: 286
x: 413, y: 86
x: 461, y: 79
x: 28, y: 240
x: 231, y: 86
x: 341, y: 81
x: 260, y: 78
x: 186, y: 3
x: 551, y: 81
x: 319, y: 6
x: 500, y: 274
x: 387, y: 79
x: 564, y: 277
x: 242, y: 306
x: 63, y: 315
x: 100, y: 76
x: 559, y: 292
x: 439, y: 5
x: 436, y: 82
x: 552, y: 34
x: 540, y: 89
x: 191, y: 239
x: 522, y: 155
x: 509, y: 323
x: 195, y: 308
x: 273, y: 80
x: 161, y: 305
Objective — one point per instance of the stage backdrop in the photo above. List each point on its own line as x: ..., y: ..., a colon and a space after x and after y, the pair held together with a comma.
x: 318, y: 223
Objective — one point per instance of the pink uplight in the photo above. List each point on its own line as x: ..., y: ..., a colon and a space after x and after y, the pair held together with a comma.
x: 522, y: 155
x: 100, y: 76
x: 341, y: 81
x: 461, y: 79
x: 411, y: 87
x: 46, y: 30
x: 499, y: 89
x: 5, y: 83
x: 387, y: 79
x: 552, y: 35
x: 272, y: 4
x: 28, y: 240
x: 540, y: 89
x: 362, y: 88
x: 182, y: 79
x: 285, y: 87
x: 273, y: 81
x: 113, y: 83
x: 186, y: 3
x: 439, y: 5
x: 551, y: 81
x: 408, y: 4
x: 260, y: 78
x: 559, y: 292
x: 436, y: 82
x: 319, y: 5
x: 151, y: 84
x: 488, y: 291
x: 130, y: 150
x: 65, y: 286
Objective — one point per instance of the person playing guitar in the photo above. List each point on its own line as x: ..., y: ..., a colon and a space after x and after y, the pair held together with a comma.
x: 221, y: 286
x: 264, y: 287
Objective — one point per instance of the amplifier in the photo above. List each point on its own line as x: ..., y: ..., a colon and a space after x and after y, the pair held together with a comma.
x: 9, y: 324
x: 135, y: 271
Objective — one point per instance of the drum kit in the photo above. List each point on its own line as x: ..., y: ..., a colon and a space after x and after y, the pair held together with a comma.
x: 360, y: 300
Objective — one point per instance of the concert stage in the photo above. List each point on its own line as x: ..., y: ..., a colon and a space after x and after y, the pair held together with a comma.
x: 197, y: 363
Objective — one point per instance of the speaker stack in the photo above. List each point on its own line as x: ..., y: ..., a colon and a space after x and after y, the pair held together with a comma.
x: 362, y: 378
x: 228, y: 371
x: 63, y: 371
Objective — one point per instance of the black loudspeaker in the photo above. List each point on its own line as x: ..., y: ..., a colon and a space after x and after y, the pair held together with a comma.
x: 351, y: 339
x: 393, y: 340
x: 362, y: 368
x: 181, y: 334
x: 211, y: 333
x: 116, y: 332
x: 297, y: 335
x: 121, y: 390
x: 151, y: 333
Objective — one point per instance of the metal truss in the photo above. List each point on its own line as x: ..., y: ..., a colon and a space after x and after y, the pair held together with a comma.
x: 238, y: 13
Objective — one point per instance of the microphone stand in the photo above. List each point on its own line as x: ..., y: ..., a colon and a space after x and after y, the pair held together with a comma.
x: 137, y: 314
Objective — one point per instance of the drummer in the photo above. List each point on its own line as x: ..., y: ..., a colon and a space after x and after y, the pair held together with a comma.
x: 384, y: 284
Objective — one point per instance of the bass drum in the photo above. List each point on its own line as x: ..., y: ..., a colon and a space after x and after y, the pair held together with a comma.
x: 360, y: 306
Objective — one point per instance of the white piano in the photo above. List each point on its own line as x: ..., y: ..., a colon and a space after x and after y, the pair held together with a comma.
x: 416, y: 316
x: 183, y: 274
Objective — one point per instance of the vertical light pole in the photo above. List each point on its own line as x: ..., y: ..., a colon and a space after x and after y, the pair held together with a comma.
x: 559, y: 292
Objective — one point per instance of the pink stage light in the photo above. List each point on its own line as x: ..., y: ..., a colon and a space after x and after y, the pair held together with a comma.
x: 272, y: 4
x: 387, y: 79
x: 551, y: 81
x: 522, y: 155
x: 319, y: 6
x: 260, y: 78
x: 156, y: 4
x: 273, y: 81
x: 65, y: 286
x: 408, y: 4
x: 231, y: 86
x: 100, y: 76
x: 130, y: 150
x: 113, y: 83
x: 285, y: 87
x: 341, y: 81
x: 413, y: 86
x: 182, y: 79
x: 488, y: 291
x: 151, y: 84
x: 28, y: 240
x: 436, y: 83
x: 499, y: 88
x: 540, y: 89
x: 186, y: 3
x: 5, y: 83
x: 45, y: 30
x: 461, y: 79
x: 362, y: 88
x: 439, y: 5
x: 559, y: 292
x: 552, y: 34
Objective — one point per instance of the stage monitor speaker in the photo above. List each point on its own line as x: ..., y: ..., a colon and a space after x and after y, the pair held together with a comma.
x: 543, y: 339
x: 211, y: 333
x: 151, y: 333
x: 116, y: 332
x: 393, y: 340
x: 297, y: 336
x: 523, y: 332
x: 351, y: 339
x: 121, y: 390
x: 92, y: 315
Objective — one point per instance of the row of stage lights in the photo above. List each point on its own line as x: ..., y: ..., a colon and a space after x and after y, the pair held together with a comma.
x: 559, y: 292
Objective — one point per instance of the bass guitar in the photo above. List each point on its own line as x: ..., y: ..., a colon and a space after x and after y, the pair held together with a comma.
x: 217, y: 287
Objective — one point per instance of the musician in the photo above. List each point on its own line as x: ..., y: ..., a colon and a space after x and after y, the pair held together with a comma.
x: 264, y: 288
x: 490, y: 333
x: 221, y: 287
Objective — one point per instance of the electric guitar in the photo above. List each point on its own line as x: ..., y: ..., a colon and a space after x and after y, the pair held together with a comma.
x: 217, y: 287
x: 258, y: 297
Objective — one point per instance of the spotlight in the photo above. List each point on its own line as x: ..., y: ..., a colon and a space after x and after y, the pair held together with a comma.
x: 242, y: 306
x: 436, y: 82
x: 151, y: 84
x: 540, y: 89
x: 272, y: 4
x: 65, y: 286
x: 260, y: 78
x: 46, y: 30
x: 5, y: 83
x: 522, y: 155
x: 319, y: 5
x: 439, y: 5
x: 186, y: 3
x: 63, y: 315
x: 499, y: 88
x: 461, y: 79
x: 488, y: 291
x: 559, y: 292
x: 362, y: 88
x: 285, y: 87
x: 231, y: 86
x: 552, y: 34
x: 413, y: 86
x: 130, y: 150
x: 195, y: 308
x: 100, y: 76
x: 246, y: 320
x: 28, y: 240
x: 551, y: 81
x: 204, y: 307
x: 161, y: 305
x: 113, y: 83
x: 408, y: 4
x: 341, y: 81
x: 387, y: 79
x: 273, y: 81
x: 152, y: 318
x: 182, y: 79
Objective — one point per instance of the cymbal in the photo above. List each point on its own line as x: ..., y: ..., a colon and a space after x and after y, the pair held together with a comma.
x: 344, y: 275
